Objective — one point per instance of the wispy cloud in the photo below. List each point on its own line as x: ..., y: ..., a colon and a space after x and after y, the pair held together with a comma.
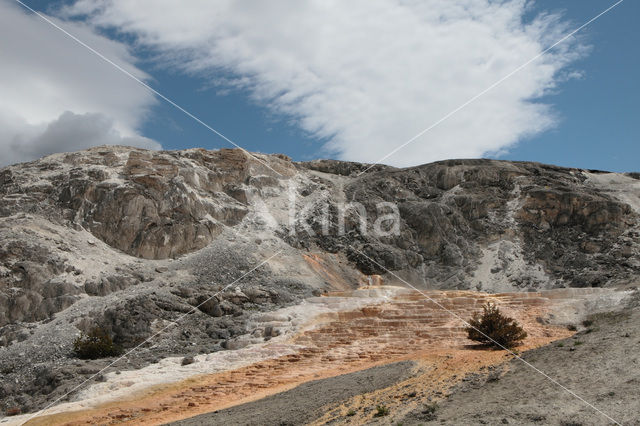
x: 365, y: 75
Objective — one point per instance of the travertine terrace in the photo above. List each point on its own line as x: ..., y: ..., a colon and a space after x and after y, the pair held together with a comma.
x: 220, y: 256
x: 407, y: 325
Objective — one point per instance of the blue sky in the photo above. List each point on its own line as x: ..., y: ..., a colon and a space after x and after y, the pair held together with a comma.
x: 594, y: 115
x: 599, y: 114
x: 600, y: 126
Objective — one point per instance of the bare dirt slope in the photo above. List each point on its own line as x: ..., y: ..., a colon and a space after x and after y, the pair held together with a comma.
x: 307, y: 401
x: 401, y: 325
x: 601, y: 364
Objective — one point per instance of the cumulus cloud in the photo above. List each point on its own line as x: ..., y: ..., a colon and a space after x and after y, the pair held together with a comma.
x: 69, y: 132
x: 365, y: 76
x: 57, y: 96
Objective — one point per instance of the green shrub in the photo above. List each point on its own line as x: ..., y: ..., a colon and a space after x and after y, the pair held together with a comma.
x: 95, y: 344
x: 429, y: 412
x: 351, y: 413
x: 493, y: 328
x: 430, y: 408
x: 381, y: 411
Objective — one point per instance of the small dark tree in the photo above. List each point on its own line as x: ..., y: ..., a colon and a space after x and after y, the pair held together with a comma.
x: 381, y: 411
x: 95, y: 344
x: 494, y: 329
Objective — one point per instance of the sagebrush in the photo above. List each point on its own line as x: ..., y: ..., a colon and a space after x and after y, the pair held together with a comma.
x: 381, y: 411
x: 493, y: 328
x: 95, y: 344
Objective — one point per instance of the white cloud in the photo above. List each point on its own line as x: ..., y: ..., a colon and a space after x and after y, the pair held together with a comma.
x: 57, y: 96
x: 366, y: 75
x: 69, y: 132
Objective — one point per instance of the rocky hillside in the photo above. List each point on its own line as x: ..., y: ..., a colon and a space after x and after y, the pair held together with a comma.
x: 130, y: 240
x: 488, y: 224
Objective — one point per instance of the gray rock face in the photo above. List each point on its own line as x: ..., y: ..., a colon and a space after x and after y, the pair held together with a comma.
x: 452, y: 210
x: 147, y: 204
x: 157, y: 205
x: 31, y: 287
x: 151, y: 205
x: 133, y: 241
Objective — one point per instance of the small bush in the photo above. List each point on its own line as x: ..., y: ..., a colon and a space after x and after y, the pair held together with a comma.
x: 430, y: 408
x: 351, y: 413
x: 429, y: 412
x: 572, y: 327
x: 494, y: 376
x: 95, y: 344
x: 493, y: 328
x: 381, y: 411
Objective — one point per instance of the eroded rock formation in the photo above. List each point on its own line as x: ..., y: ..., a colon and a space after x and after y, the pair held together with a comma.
x: 131, y: 240
x: 451, y: 211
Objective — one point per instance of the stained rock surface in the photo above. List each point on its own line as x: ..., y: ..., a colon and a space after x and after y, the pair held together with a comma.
x: 138, y: 241
x: 394, y: 324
